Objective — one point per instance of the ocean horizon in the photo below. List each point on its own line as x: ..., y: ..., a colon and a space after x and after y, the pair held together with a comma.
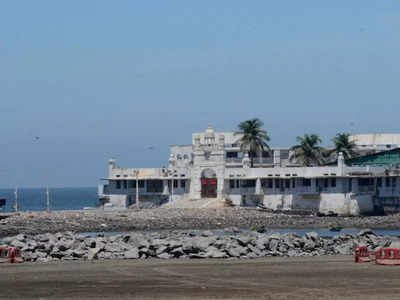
x: 34, y: 199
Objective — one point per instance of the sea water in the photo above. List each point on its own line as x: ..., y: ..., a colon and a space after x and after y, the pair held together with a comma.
x: 34, y: 199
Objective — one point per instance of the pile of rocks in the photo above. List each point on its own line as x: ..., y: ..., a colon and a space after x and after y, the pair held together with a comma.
x: 230, y: 243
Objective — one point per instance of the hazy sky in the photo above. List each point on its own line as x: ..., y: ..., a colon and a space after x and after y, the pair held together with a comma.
x: 101, y: 79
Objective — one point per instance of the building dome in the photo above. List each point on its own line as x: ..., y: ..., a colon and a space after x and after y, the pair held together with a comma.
x: 209, y: 133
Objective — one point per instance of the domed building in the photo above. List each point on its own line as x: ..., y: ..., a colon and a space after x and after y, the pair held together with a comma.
x: 213, y: 166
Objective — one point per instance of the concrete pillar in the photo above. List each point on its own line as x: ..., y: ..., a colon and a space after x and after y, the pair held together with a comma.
x: 258, y: 187
x: 273, y: 186
x: 354, y: 185
x: 313, y: 184
x: 165, y: 187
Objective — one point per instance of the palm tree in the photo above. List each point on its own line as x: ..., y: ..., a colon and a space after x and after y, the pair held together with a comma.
x: 343, y: 144
x: 254, y: 139
x: 308, y: 152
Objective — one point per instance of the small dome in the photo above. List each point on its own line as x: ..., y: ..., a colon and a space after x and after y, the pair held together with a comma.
x: 209, y: 133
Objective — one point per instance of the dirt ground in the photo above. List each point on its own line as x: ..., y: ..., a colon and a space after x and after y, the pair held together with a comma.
x: 268, y: 278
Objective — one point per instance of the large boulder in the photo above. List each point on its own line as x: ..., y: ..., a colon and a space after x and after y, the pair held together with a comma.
x: 132, y: 253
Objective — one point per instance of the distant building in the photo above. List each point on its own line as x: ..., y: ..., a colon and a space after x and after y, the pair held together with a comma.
x: 376, y: 141
x: 214, y: 167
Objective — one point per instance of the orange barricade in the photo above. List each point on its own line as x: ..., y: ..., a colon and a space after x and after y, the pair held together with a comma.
x: 11, y: 255
x: 361, y: 254
x: 388, y: 256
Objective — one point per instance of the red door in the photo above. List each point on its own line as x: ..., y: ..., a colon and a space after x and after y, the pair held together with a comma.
x: 208, y: 187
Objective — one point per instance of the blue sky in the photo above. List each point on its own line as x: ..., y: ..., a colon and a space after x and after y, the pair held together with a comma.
x: 101, y: 79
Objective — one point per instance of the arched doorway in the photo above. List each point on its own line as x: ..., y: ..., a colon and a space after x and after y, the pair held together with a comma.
x: 208, y: 184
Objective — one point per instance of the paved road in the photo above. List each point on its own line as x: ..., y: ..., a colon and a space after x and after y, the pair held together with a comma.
x: 268, y: 278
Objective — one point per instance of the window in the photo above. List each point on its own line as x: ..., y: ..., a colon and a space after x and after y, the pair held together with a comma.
x: 117, y: 184
x: 393, y: 181
x: 326, y: 182
x: 387, y: 181
x: 266, y: 154
x: 183, y: 184
x: 306, y: 182
x: 185, y: 156
x: 350, y: 186
x: 125, y: 183
x: 293, y: 183
x: 287, y: 183
x: 231, y: 154
x: 248, y: 183
x: 175, y: 184
x: 237, y: 184
x: 365, y: 181
x: 179, y: 157
x: 333, y: 182
x: 270, y: 183
x: 232, y: 184
x: 379, y: 182
x: 132, y: 184
x: 277, y: 183
x: 154, y: 186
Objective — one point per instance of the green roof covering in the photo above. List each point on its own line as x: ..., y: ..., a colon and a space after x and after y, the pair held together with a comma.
x: 384, y: 158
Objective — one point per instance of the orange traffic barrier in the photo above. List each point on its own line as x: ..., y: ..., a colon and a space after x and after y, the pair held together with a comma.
x: 361, y: 254
x: 388, y: 256
x: 11, y: 255
x: 14, y: 255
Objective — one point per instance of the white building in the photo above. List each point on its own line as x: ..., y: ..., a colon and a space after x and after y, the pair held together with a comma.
x: 213, y: 167
x: 376, y: 141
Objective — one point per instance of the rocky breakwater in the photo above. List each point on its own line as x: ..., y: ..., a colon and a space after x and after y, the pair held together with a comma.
x: 232, y: 243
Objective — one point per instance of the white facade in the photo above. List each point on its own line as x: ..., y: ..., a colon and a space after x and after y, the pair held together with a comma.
x: 376, y: 141
x: 207, y: 168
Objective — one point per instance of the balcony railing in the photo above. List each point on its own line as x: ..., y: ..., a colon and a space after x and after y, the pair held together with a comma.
x: 256, y: 160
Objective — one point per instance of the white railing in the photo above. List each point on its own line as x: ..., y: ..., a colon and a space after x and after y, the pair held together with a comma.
x: 256, y: 160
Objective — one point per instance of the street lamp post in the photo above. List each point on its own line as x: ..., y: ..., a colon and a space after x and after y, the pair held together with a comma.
x: 16, y: 199
x: 136, y: 172
x: 47, y: 199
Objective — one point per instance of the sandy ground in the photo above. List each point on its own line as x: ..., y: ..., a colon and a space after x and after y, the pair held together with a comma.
x: 268, y: 278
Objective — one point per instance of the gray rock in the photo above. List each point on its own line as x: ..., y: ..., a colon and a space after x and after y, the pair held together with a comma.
x: 197, y: 255
x: 161, y: 249
x: 273, y: 245
x: 312, y: 236
x: 343, y: 249
x: 213, y: 252
x: 262, y: 243
x: 207, y: 233
x: 18, y: 243
x: 132, y: 254
x: 177, y: 252
x: 243, y: 240
x: 309, y: 245
x: 237, y: 251
x: 364, y: 232
x: 93, y: 253
x: 275, y: 236
x: 254, y: 249
x: 21, y: 237
x: 164, y: 255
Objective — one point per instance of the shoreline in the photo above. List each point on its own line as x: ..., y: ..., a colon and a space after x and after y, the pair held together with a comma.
x: 154, y: 219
